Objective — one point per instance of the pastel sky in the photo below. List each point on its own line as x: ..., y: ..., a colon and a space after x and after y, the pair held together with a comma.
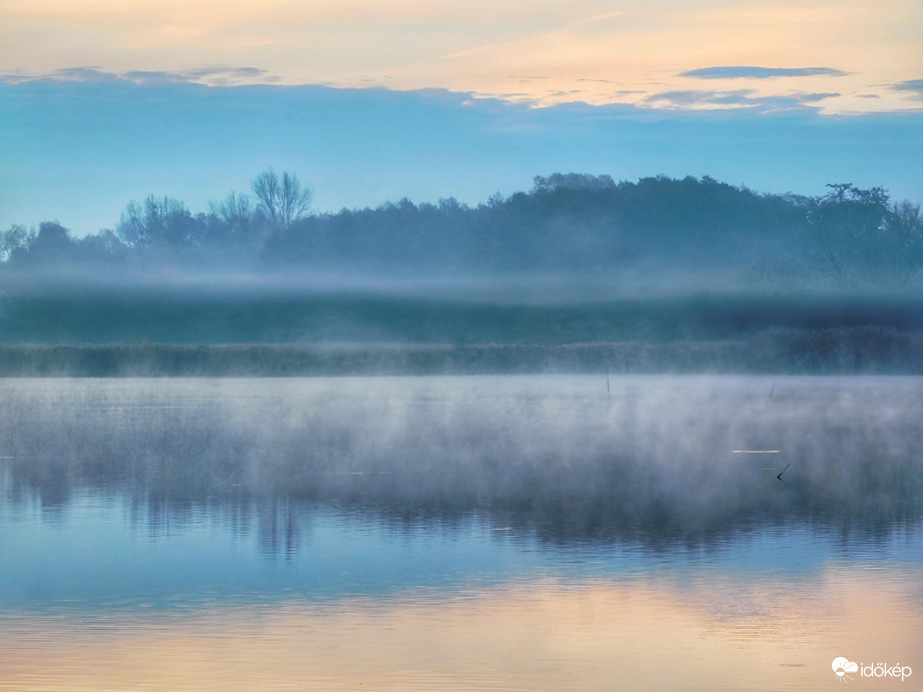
x: 801, y: 67
x: 854, y: 52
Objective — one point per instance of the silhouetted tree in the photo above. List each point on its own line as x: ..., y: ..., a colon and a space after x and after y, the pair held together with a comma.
x: 159, y: 220
x: 857, y: 236
x: 104, y: 246
x: 573, y: 181
x: 233, y: 222
x: 656, y: 229
x: 282, y: 200
x: 52, y: 244
x: 12, y: 239
x: 904, y: 226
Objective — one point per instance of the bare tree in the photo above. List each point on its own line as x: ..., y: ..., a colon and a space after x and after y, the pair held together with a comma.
x: 234, y: 220
x: 157, y: 220
x: 282, y: 200
x: 267, y: 189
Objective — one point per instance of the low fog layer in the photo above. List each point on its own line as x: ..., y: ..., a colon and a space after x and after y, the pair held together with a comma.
x: 651, y: 459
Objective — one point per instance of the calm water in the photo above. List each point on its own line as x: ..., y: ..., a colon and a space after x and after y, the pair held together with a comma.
x: 459, y: 533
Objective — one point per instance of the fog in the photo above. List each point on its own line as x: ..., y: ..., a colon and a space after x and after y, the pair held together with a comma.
x: 653, y: 459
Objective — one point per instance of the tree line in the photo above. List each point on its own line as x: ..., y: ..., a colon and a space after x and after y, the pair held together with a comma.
x: 566, y: 223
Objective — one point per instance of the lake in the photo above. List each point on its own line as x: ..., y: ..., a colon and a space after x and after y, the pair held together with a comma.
x: 471, y: 532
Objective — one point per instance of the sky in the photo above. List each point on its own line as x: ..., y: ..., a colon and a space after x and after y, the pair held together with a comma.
x: 103, y: 101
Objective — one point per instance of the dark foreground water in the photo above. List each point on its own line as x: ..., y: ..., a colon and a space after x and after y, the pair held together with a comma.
x: 460, y: 533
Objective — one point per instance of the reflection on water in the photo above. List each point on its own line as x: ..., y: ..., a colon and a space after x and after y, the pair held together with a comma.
x: 479, y: 533
x: 772, y: 634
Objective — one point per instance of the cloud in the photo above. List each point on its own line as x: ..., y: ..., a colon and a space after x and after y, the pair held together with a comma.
x: 693, y: 97
x: 88, y: 73
x: 817, y: 96
x: 749, y: 72
x: 914, y: 85
x: 210, y: 75
x: 470, y: 47
x: 735, y: 98
x: 360, y: 147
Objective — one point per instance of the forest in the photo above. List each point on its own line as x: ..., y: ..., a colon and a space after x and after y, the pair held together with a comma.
x: 579, y: 274
x: 656, y: 233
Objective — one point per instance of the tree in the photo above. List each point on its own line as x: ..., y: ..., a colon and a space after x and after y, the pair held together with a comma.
x: 281, y: 200
x: 571, y: 181
x: 858, y: 236
x: 52, y: 244
x: 904, y: 228
x: 158, y: 220
x: 233, y: 222
x: 14, y: 238
x: 103, y: 246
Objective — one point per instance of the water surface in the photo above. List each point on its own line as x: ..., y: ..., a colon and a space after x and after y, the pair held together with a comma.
x: 457, y: 532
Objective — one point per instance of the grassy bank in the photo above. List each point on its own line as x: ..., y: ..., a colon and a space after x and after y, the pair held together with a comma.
x: 859, y: 350
x: 94, y: 331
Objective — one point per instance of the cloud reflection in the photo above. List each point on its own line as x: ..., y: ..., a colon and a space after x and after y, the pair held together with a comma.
x: 538, y: 634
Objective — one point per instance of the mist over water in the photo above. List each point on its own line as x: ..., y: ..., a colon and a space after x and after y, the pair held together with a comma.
x: 655, y: 461
x: 291, y: 510
x: 653, y: 454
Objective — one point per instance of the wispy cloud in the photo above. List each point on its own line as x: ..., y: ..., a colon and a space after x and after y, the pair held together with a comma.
x: 914, y: 85
x: 210, y: 75
x: 816, y: 96
x: 692, y: 97
x: 86, y: 73
x: 735, y: 98
x: 523, y: 79
x: 751, y: 72
x: 598, y: 45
